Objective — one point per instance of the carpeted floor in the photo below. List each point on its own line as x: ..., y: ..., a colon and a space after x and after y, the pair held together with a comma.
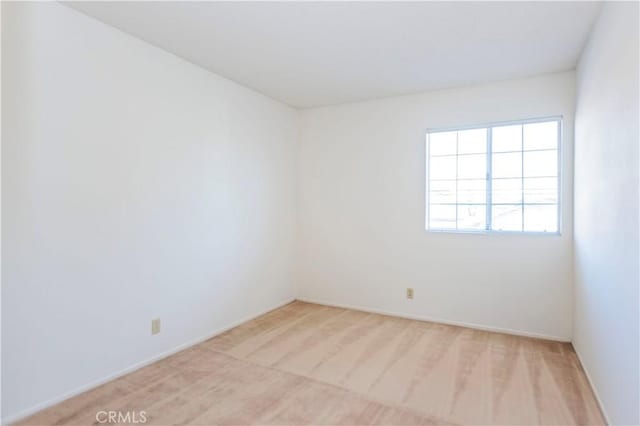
x: 314, y: 364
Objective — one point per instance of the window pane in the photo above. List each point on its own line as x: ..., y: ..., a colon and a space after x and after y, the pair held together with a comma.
x: 541, y: 135
x: 472, y: 191
x: 472, y: 141
x: 541, y: 190
x: 541, y: 218
x: 524, y: 178
x: 443, y: 143
x: 442, y: 191
x: 472, y: 166
x: 507, y: 165
x: 442, y: 167
x: 442, y: 217
x: 541, y: 163
x: 507, y: 218
x: 472, y: 217
x: 506, y: 138
x: 506, y: 190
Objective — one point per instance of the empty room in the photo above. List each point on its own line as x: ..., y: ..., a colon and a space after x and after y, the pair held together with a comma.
x: 320, y: 213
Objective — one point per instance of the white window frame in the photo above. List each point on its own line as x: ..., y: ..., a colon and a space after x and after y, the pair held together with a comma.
x: 489, y: 127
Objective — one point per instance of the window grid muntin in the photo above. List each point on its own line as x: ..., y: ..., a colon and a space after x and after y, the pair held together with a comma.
x: 489, y: 190
x: 457, y: 137
x: 522, y: 174
x: 489, y: 206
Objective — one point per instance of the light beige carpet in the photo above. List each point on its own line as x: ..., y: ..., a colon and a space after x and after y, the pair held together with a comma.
x: 314, y: 364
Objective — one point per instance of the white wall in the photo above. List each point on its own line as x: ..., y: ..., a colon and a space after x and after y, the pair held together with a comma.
x: 606, y: 320
x: 134, y: 186
x: 361, y: 217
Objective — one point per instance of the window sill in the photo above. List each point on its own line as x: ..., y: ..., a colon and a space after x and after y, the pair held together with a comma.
x: 485, y: 232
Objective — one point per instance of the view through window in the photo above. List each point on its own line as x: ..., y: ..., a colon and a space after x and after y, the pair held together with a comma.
x: 502, y: 177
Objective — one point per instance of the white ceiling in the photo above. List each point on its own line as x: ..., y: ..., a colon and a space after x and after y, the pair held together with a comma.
x: 310, y: 54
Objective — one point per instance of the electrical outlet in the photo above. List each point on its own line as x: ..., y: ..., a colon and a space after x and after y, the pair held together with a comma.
x: 409, y: 293
x: 155, y: 326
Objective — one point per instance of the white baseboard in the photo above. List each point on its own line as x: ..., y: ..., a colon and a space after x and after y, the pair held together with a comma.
x: 593, y: 388
x: 437, y: 320
x: 53, y: 401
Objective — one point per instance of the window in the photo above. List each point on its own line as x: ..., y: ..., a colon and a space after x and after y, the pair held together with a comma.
x: 500, y: 177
